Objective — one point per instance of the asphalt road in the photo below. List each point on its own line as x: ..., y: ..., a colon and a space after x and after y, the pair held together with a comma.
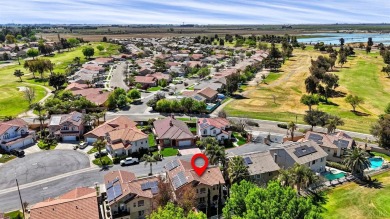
x: 118, y: 77
x: 41, y: 165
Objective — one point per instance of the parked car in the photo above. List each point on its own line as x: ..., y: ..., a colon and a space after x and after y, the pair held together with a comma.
x: 83, y: 145
x: 129, y: 161
x: 101, y: 154
x: 17, y: 152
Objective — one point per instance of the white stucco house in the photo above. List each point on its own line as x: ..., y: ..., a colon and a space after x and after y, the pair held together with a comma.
x: 14, y: 134
x: 213, y: 127
x: 126, y: 141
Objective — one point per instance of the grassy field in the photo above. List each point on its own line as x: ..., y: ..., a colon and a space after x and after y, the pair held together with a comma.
x: 360, y: 76
x: 151, y: 139
x: 5, y: 158
x: 360, y: 202
x: 105, y: 159
x: 154, y: 88
x: 240, y: 140
x: 14, y: 214
x: 12, y: 102
x: 167, y: 152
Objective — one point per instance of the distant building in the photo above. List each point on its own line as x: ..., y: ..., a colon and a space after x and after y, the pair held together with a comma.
x: 171, y: 132
x: 213, y: 127
x: 67, y: 127
x: 14, y: 134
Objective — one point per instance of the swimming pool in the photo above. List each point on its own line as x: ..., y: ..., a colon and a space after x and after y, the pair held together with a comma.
x: 332, y: 176
x: 375, y: 162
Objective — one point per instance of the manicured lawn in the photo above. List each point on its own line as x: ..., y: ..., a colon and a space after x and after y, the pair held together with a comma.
x: 272, y: 77
x: 193, y: 129
x: 190, y: 87
x: 5, y: 158
x: 384, y: 156
x: 106, y: 160
x: 14, y: 214
x: 152, y: 141
x: 154, y: 88
x: 240, y: 140
x: 354, y: 201
x: 12, y: 102
x: 361, y: 76
x: 186, y: 119
x: 167, y: 152
x: 92, y: 151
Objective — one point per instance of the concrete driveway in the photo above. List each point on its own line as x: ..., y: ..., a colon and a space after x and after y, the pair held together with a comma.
x: 41, y: 165
x: 32, y: 149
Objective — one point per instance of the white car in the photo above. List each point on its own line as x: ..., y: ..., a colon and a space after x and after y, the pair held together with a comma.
x: 129, y: 161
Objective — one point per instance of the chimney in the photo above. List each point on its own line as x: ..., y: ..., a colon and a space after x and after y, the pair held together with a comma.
x: 170, y: 123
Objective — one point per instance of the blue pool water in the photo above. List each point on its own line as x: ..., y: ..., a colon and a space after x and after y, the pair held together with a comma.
x: 375, y: 162
x: 333, y: 176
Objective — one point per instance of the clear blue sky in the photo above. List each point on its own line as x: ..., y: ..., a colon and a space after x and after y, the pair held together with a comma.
x: 194, y: 11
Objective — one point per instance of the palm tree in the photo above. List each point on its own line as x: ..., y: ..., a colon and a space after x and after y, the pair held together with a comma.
x: 356, y: 159
x: 237, y: 171
x: 18, y: 73
x: 149, y: 160
x: 302, y: 176
x: 87, y: 119
x: 292, y: 127
x: 332, y: 123
x: 99, y: 145
x: 285, y: 177
x: 41, y: 117
x: 213, y: 151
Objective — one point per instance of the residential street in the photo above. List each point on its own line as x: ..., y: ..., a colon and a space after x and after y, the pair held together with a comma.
x: 118, y: 77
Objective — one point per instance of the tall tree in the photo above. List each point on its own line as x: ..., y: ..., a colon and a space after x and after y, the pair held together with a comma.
x: 315, y: 118
x: 29, y: 95
x: 32, y: 53
x: 356, y: 159
x: 292, y: 127
x: 149, y: 160
x: 18, y: 73
x: 302, y: 176
x: 214, y: 152
x: 237, y: 171
x: 39, y: 107
x: 341, y: 40
x: 57, y: 80
x: 88, y: 52
x: 187, y: 197
x: 354, y: 101
x: 370, y: 42
x: 100, y: 144
x: 173, y: 212
x: 310, y: 100
x: 164, y: 195
x: 332, y: 123
x: 381, y: 130
x: 342, y: 59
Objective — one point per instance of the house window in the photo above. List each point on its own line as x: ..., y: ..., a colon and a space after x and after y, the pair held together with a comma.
x: 197, y: 190
x: 202, y: 190
x: 6, y: 136
x: 22, y: 131
x: 270, y: 174
x: 322, y: 159
x: 214, y: 132
x: 213, y: 187
x: 313, y: 162
x: 142, y: 142
x: 135, y: 205
x: 205, y: 132
x: 65, y: 128
x: 202, y: 200
x: 141, y: 213
x: 141, y: 203
x: 122, y: 206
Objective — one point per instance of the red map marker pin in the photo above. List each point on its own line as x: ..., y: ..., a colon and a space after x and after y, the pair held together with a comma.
x: 199, y: 170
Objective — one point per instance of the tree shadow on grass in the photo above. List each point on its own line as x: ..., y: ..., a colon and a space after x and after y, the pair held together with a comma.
x: 336, y: 94
x: 360, y: 113
x: 370, y: 183
x: 330, y: 103
x: 239, y: 97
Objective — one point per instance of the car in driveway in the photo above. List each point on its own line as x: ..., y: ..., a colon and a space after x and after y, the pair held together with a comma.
x: 129, y: 161
x: 17, y: 152
x: 101, y: 154
x: 83, y: 145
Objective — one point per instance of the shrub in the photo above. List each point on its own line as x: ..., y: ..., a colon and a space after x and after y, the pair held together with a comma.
x: 46, y: 144
x: 116, y: 160
x: 252, y: 123
x: 337, y: 166
x: 153, y: 149
x: 282, y: 125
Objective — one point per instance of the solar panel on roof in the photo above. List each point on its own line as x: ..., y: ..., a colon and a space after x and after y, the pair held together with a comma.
x: 115, y: 180
x: 341, y: 143
x: 182, y: 177
x: 304, y: 150
x: 145, y: 186
x: 315, y: 137
x: 110, y: 194
x: 108, y: 185
x: 169, y: 166
x: 154, y: 190
x: 248, y: 160
x: 176, y: 182
x: 117, y: 190
x: 153, y: 184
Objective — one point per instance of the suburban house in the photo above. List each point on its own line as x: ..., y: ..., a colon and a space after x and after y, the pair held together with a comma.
x: 333, y: 144
x: 159, y: 76
x: 95, y: 95
x: 15, y: 134
x: 145, y: 81
x: 126, y: 141
x: 129, y: 197
x: 67, y: 127
x: 78, y: 203
x: 180, y: 174
x: 261, y: 166
x: 119, y: 122
x: 171, y: 132
x: 104, y: 61
x: 213, y: 127
x: 305, y: 153
x: 207, y: 94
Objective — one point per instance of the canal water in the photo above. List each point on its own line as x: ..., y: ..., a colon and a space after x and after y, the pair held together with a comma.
x: 333, y: 38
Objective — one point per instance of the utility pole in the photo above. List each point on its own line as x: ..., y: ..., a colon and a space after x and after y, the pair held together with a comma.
x: 20, y: 197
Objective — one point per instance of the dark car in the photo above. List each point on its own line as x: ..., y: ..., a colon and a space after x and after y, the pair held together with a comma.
x: 17, y: 152
x: 101, y: 154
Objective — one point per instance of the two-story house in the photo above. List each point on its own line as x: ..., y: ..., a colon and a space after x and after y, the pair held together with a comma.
x: 306, y: 153
x: 126, y: 141
x: 334, y: 144
x: 129, y: 197
x: 180, y: 174
x: 67, y: 127
x: 213, y: 127
x: 15, y: 134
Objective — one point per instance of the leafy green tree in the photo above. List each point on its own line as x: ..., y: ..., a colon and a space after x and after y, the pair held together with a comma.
x: 292, y: 127
x: 160, y: 65
x: 214, y: 152
x: 149, y: 160
x: 311, y: 84
x: 39, y: 65
x: 302, y: 176
x: 18, y: 73
x: 40, y: 108
x: 342, y: 59
x: 104, y: 39
x: 368, y: 49
x: 100, y: 144
x: 310, y: 100
x: 77, y: 60
x: 386, y: 70
x: 88, y: 52
x: 29, y: 95
x: 370, y: 42
x: 9, y: 38
x: 285, y: 177
x: 275, y: 201
x: 381, y: 130
x: 134, y: 94
x: 32, y: 53
x: 237, y: 171
x: 164, y: 195
x: 341, y: 40
x: 100, y: 48
x: 162, y: 83
x: 57, y: 80
x: 172, y: 212
x: 354, y: 101
x: 315, y: 118
x: 73, y: 42
x: 357, y: 161
x: 332, y: 123
x: 187, y: 197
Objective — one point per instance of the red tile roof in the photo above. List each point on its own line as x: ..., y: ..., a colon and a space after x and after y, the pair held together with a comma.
x: 145, y: 80
x: 78, y: 203
x: 170, y: 128
x: 95, y: 95
x: 215, y: 122
x: 119, y: 122
x: 208, y: 92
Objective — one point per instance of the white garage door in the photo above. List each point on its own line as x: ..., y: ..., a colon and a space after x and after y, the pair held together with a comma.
x: 69, y: 138
x: 91, y: 140
x: 185, y: 143
x: 28, y: 141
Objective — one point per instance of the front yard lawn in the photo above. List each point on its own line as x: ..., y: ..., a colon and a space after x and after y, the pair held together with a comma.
x: 154, y: 88
x: 5, y: 158
x: 92, y: 151
x: 152, y: 141
x: 385, y: 156
x: 352, y: 200
x: 240, y: 140
x: 193, y: 129
x: 106, y: 161
x: 167, y: 152
x: 14, y: 214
